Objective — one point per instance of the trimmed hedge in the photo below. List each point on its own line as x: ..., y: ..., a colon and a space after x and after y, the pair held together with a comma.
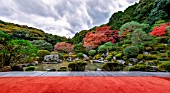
x: 150, y: 57
x: 154, y: 63
x: 109, y: 57
x: 154, y: 52
x: 162, y: 51
x: 30, y: 68
x: 168, y: 53
x: 139, y: 68
x: 163, y: 59
x: 52, y: 69
x: 112, y: 66
x: 118, y: 56
x: 161, y: 47
x: 148, y: 48
x: 63, y: 68
x: 77, y: 66
x: 165, y: 66
x: 140, y: 56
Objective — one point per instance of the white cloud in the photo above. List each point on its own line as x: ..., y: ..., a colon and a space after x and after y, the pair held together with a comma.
x: 61, y: 17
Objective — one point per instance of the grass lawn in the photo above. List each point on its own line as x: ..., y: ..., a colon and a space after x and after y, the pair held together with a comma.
x: 89, y: 67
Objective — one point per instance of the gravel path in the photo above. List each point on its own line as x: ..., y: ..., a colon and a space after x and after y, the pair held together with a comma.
x: 90, y: 73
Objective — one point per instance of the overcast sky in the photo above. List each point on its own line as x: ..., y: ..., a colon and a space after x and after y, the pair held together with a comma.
x: 61, y: 17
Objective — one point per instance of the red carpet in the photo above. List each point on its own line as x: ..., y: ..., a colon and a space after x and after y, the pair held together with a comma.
x: 84, y: 85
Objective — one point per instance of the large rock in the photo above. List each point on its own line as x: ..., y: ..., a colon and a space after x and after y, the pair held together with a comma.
x: 121, y: 61
x: 51, y: 57
x: 133, y: 60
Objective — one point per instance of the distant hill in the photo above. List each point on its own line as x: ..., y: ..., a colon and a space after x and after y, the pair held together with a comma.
x: 29, y: 33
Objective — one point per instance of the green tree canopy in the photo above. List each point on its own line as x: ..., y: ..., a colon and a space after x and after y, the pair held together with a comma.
x: 92, y: 52
x: 79, y: 48
x: 131, y: 51
x: 42, y: 53
x: 132, y: 26
x: 42, y: 45
x: 15, y: 51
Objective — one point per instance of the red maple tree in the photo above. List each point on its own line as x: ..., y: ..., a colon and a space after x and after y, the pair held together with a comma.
x: 102, y: 35
x: 93, y: 39
x: 63, y: 47
x: 160, y: 30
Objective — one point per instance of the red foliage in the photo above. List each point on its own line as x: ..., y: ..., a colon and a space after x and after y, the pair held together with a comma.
x: 64, y: 47
x: 111, y: 35
x: 93, y: 39
x: 160, y: 30
x: 84, y: 84
x: 102, y: 35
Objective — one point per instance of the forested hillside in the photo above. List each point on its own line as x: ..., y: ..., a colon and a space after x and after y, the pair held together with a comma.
x: 29, y: 33
x: 146, y: 11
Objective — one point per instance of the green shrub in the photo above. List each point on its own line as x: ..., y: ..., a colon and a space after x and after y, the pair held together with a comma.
x: 77, y: 66
x: 118, y: 49
x: 97, y: 56
x: 109, y: 57
x: 127, y: 42
x: 52, y: 69
x: 163, y: 55
x: 118, y: 56
x: 154, y: 63
x: 92, y: 52
x: 125, y: 45
x: 154, y: 52
x: 80, y: 55
x: 161, y: 47
x: 162, y: 51
x: 42, y: 53
x: 120, y: 44
x: 168, y: 53
x: 148, y: 48
x: 126, y: 68
x: 102, y: 49
x: 140, y: 47
x: 168, y: 42
x: 161, y: 40
x: 113, y: 48
x: 150, y: 57
x: 139, y: 68
x: 112, y: 66
x: 42, y: 45
x: 124, y: 58
x: 63, y: 68
x: 131, y: 51
x: 165, y: 66
x: 140, y: 56
x: 109, y: 46
x: 30, y: 68
x: 168, y: 30
x: 163, y: 59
